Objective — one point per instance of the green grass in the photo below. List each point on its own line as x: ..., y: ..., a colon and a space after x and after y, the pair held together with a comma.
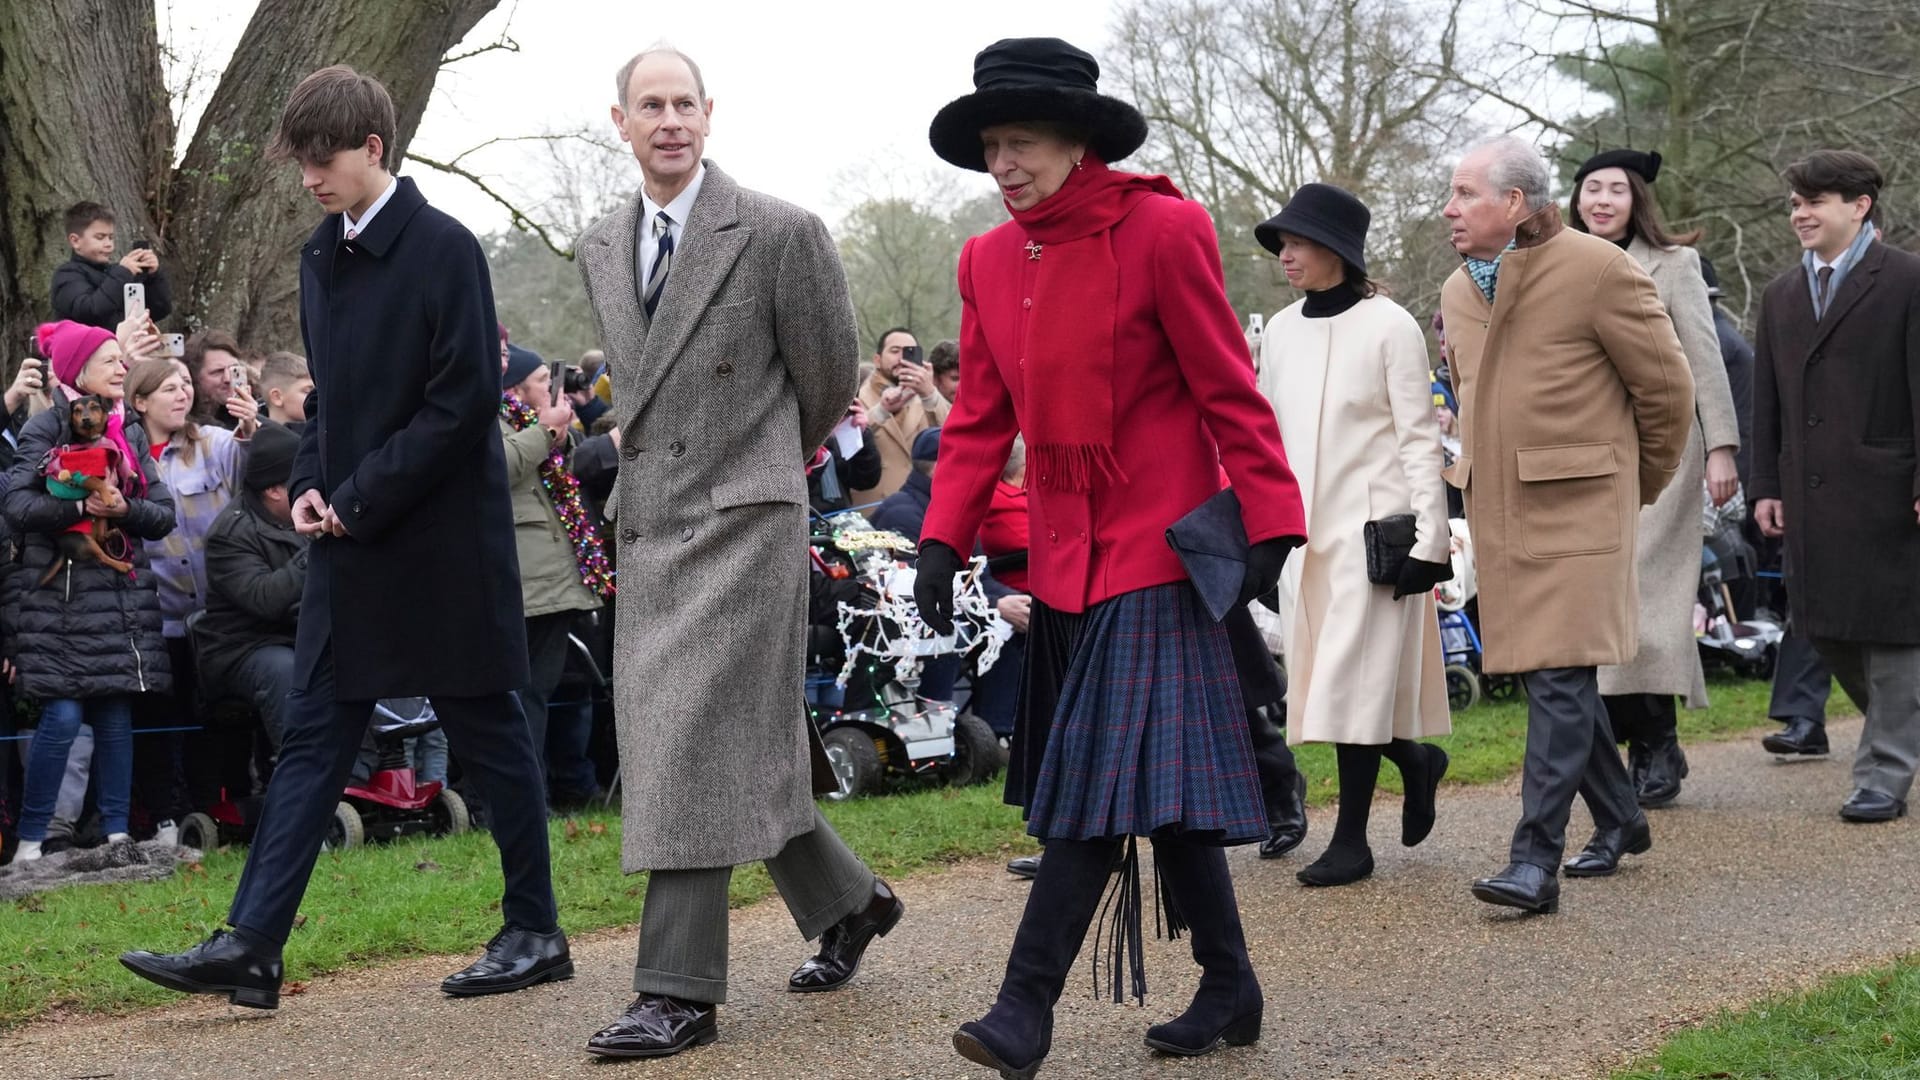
x: 1857, y: 1027
x: 57, y: 950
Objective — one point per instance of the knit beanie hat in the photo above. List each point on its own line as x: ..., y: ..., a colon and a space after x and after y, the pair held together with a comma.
x: 270, y: 456
x: 520, y: 364
x: 68, y: 345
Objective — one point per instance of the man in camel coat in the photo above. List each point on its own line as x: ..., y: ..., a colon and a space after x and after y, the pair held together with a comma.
x: 1575, y: 407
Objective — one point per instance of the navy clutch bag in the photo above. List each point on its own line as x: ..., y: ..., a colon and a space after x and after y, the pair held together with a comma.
x: 1211, y: 541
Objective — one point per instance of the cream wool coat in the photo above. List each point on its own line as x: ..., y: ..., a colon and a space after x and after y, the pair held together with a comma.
x: 1669, y: 532
x: 1355, y: 404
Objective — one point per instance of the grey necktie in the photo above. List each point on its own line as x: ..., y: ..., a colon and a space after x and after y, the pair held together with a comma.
x: 662, y: 261
x: 1825, y: 274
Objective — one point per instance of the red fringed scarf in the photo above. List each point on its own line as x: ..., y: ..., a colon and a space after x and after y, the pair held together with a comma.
x: 1069, y: 377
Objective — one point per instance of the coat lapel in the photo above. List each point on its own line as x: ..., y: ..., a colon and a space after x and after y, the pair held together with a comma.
x: 1856, y: 286
x: 608, y: 259
x: 709, y: 245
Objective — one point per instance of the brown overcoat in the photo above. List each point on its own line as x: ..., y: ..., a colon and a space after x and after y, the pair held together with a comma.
x: 1575, y: 406
x: 1836, y: 405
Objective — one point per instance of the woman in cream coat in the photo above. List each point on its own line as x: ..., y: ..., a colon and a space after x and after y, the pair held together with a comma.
x: 1612, y: 199
x: 1347, y: 372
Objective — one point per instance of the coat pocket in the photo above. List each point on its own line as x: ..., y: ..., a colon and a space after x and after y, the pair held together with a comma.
x: 1569, y: 499
x: 767, y: 485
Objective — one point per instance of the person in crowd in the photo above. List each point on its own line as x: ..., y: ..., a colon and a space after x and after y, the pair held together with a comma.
x: 284, y: 386
x: 1575, y: 409
x: 90, y: 287
x: 1096, y: 324
x: 1613, y: 200
x: 201, y: 467
x: 716, y: 416
x: 212, y: 359
x: 945, y: 362
x: 404, y: 497
x: 1004, y: 539
x: 256, y: 572
x: 27, y: 390
x: 587, y: 406
x: 596, y: 463
x: 1736, y: 354
x: 904, y: 510
x: 83, y: 637
x: 563, y: 568
x: 1836, y: 410
x: 833, y: 476
x: 1346, y: 370
x: 901, y: 402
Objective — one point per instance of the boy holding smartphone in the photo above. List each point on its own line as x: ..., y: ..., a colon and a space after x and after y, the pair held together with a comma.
x: 88, y: 288
x: 902, y: 401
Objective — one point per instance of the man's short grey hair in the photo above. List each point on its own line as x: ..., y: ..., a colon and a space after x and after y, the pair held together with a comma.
x: 1016, y: 459
x: 658, y: 48
x: 1513, y: 163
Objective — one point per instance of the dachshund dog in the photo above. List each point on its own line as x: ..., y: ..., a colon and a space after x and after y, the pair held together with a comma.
x: 88, y: 463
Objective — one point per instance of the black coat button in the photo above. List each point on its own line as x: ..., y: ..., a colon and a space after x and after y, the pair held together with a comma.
x: 359, y: 507
x: 1813, y: 481
x: 630, y: 451
x: 1813, y: 421
x: 630, y: 536
x: 725, y: 369
x: 677, y: 449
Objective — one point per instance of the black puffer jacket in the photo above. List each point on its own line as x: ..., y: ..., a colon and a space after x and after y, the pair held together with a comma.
x: 90, y: 632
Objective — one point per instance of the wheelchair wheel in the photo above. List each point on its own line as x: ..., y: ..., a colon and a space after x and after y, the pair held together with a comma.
x: 976, y: 752
x: 449, y: 810
x: 345, y: 830
x: 199, y: 832
x: 1463, y: 687
x: 1502, y: 688
x: 855, y: 760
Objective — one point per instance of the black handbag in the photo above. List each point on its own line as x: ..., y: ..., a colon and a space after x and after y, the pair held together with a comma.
x: 1389, y: 544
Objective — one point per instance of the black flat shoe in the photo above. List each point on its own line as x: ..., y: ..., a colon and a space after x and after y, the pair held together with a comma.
x: 656, y: 1026
x: 1026, y: 866
x: 1801, y: 736
x: 1865, y: 806
x: 1338, y: 865
x: 1287, y: 828
x: 1418, y: 812
x: 846, y: 941
x: 1601, y: 856
x: 1521, y: 885
x: 222, y: 964
x: 515, y: 959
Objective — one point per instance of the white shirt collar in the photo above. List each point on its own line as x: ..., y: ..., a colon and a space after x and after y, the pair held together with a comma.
x: 346, y: 216
x: 682, y: 204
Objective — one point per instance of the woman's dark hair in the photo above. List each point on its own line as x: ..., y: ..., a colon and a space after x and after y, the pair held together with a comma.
x: 1844, y: 172
x: 1642, y: 221
x: 1359, y: 282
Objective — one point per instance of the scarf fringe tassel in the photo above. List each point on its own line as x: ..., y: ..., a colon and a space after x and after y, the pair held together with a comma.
x: 1073, y: 466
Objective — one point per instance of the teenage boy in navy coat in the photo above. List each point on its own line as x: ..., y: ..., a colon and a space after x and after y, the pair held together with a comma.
x: 412, y: 582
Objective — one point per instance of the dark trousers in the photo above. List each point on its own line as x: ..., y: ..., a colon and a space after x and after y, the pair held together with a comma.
x: 1263, y: 689
x: 164, y: 761
x: 1801, y: 681
x: 318, y: 745
x: 1570, y: 750
x: 547, y: 655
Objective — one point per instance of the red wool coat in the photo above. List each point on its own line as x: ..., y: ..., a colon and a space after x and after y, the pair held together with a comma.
x: 1184, y: 398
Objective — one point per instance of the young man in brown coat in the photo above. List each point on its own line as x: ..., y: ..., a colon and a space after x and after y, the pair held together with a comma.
x: 1575, y: 406
x: 1836, y: 395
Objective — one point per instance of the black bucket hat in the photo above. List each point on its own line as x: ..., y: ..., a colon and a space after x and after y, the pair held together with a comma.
x: 1019, y: 80
x: 1329, y: 216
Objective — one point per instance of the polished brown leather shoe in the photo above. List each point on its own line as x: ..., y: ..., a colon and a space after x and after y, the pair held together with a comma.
x: 843, y: 943
x: 656, y: 1026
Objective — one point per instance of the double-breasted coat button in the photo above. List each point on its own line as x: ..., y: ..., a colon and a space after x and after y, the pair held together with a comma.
x: 359, y: 507
x: 725, y: 369
x: 1027, y: 303
x: 1813, y: 421
x: 1053, y: 536
x: 677, y: 448
x: 1814, y: 480
x: 686, y: 534
x: 630, y: 451
x: 630, y: 536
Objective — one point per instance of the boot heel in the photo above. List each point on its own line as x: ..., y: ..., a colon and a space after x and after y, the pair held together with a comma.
x: 1242, y: 1032
x: 255, y: 999
x: 1550, y: 907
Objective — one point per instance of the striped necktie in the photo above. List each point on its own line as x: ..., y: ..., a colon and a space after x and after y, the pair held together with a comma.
x: 662, y: 260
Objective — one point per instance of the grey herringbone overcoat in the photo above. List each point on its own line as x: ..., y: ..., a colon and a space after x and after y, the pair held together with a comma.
x: 749, y: 361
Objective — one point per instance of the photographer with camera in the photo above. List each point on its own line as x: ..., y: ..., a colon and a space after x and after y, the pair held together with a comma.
x: 902, y: 401
x: 89, y: 288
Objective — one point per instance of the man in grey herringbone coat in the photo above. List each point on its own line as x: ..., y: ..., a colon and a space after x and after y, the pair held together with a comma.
x: 730, y: 335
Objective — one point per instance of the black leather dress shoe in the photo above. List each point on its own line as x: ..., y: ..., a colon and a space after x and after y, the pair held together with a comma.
x: 846, y: 941
x: 1666, y: 767
x: 656, y: 1026
x: 1801, y: 736
x: 1287, y: 824
x: 1026, y: 866
x: 515, y: 959
x: 1601, y: 856
x: 1869, y: 806
x: 222, y: 964
x: 1521, y: 885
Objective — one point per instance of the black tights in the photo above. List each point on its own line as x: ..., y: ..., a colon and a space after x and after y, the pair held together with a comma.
x: 1359, y: 772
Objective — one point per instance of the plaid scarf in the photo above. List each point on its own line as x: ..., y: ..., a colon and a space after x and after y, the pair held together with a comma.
x: 1486, y: 272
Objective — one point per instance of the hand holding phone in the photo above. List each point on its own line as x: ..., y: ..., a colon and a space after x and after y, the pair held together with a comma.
x: 136, y: 299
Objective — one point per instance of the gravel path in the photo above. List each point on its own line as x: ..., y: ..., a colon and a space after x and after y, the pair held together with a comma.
x: 1754, y: 885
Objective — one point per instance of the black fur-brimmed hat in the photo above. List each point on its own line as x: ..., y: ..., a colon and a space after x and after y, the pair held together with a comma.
x: 1644, y: 162
x: 1329, y: 216
x: 1020, y: 80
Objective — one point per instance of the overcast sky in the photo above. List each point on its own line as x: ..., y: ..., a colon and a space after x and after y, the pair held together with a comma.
x: 805, y: 94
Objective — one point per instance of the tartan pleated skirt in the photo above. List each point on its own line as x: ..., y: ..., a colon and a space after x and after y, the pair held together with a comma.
x: 1131, y: 723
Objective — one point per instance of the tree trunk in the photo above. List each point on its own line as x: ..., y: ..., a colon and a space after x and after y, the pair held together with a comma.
x: 84, y: 114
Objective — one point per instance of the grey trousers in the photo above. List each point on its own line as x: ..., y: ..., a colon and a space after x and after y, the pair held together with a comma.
x: 1801, y: 682
x: 1884, y: 681
x: 1570, y: 749
x: 683, y: 928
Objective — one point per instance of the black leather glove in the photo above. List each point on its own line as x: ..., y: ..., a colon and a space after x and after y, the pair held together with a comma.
x: 1265, y: 560
x: 1418, y: 576
x: 933, y: 585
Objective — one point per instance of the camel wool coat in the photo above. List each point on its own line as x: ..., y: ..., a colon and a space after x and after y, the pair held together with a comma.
x: 748, y: 363
x: 1355, y: 403
x: 1575, y: 406
x: 1669, y: 531
x: 894, y: 438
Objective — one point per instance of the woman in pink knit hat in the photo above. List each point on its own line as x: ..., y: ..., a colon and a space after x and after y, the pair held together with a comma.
x: 89, y: 639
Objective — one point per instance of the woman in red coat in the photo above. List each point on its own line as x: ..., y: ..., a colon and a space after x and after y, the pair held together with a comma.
x: 1096, y: 324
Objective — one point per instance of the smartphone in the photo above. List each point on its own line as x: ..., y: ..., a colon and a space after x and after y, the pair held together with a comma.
x: 910, y: 353
x: 238, y: 372
x: 142, y: 245
x: 136, y: 294
x: 176, y: 344
x: 556, y: 387
x: 1255, y: 324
